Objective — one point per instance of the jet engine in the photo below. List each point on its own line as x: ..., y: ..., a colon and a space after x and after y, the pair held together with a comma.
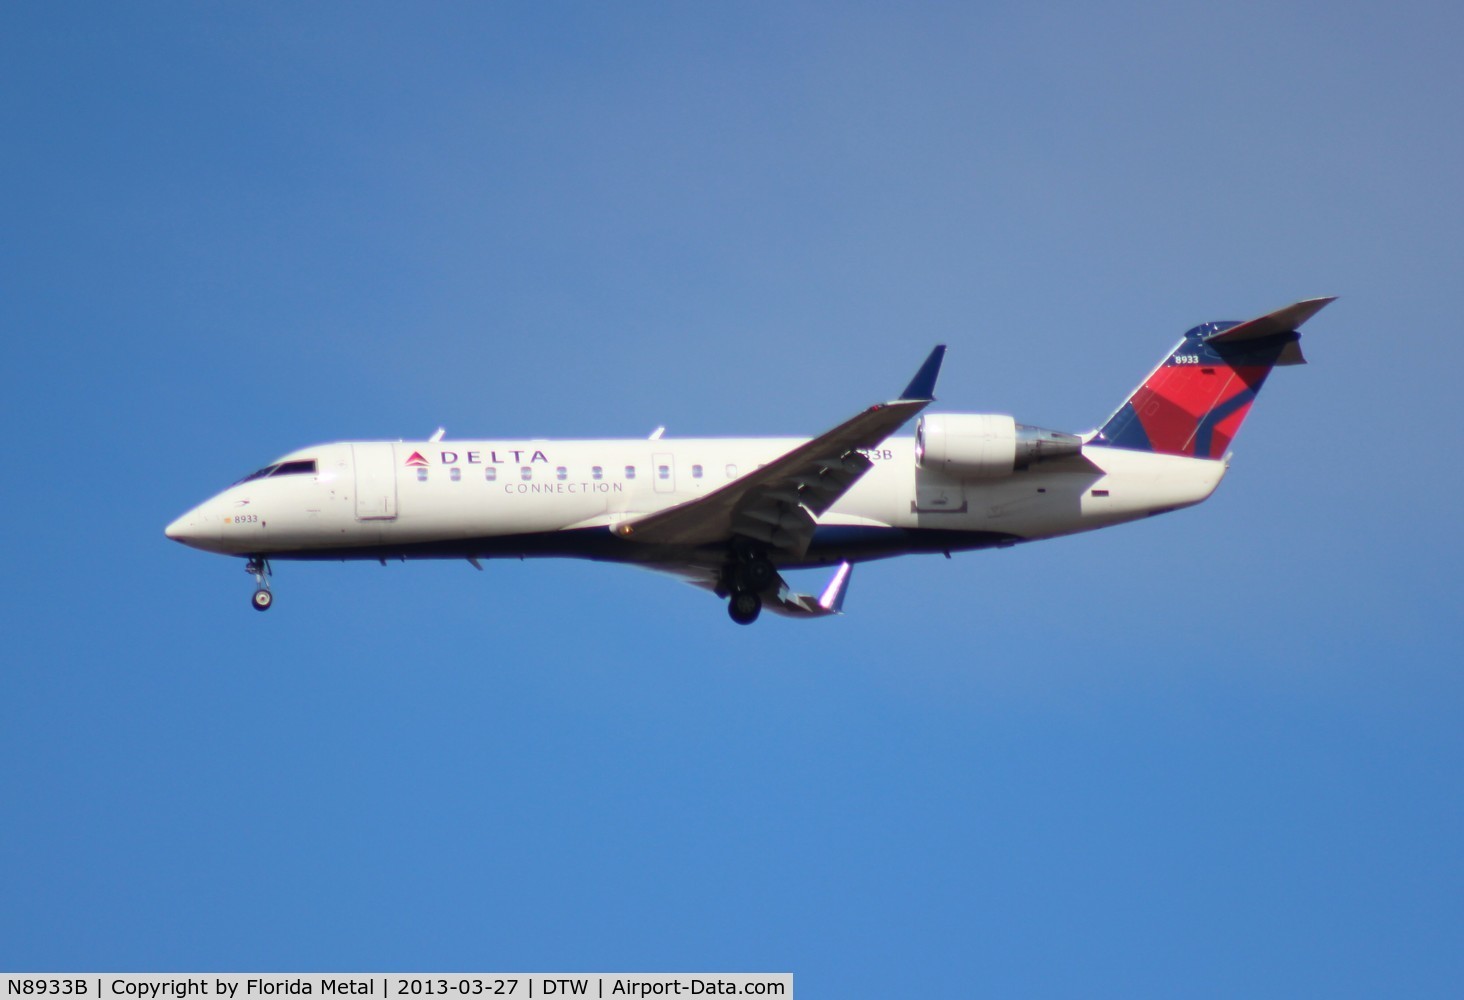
x: 986, y: 445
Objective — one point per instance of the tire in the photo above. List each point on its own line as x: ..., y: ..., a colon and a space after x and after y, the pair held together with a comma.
x: 744, y: 607
x: 263, y: 600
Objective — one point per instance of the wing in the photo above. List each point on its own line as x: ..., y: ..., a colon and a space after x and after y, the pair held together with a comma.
x: 777, y: 597
x: 779, y: 503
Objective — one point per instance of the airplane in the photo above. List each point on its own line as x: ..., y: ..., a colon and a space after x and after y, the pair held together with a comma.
x: 731, y: 514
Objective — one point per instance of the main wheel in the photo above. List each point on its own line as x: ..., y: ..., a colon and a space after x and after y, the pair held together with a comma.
x: 263, y: 599
x: 744, y: 607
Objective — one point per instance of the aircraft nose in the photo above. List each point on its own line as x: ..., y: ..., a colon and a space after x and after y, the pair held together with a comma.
x: 200, y: 528
x: 182, y: 529
x: 190, y: 529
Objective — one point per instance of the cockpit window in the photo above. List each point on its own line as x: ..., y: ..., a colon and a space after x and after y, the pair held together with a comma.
x: 303, y: 467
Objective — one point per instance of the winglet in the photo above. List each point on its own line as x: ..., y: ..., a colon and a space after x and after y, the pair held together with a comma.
x: 832, y: 599
x: 922, y: 386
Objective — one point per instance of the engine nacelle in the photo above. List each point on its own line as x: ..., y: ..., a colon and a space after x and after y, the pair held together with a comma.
x: 986, y: 445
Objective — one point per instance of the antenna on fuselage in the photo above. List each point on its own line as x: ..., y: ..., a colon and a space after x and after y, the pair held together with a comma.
x: 656, y: 434
x: 437, y: 435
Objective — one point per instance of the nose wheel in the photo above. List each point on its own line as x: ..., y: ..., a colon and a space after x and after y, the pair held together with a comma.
x: 262, y: 600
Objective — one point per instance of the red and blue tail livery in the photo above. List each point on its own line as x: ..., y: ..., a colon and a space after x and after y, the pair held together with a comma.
x: 1195, y: 401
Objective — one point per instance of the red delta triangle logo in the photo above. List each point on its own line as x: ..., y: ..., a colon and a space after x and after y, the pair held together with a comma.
x: 416, y: 459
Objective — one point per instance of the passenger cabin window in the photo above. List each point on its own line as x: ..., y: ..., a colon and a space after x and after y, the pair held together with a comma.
x: 664, y: 471
x: 526, y: 473
x: 456, y: 475
x: 630, y: 472
x: 696, y: 472
x: 421, y: 475
x: 597, y: 472
x: 491, y: 473
x: 561, y: 473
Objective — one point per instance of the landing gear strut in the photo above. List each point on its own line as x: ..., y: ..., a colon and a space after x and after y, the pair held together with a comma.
x: 748, y: 572
x: 262, y: 600
x: 748, y: 566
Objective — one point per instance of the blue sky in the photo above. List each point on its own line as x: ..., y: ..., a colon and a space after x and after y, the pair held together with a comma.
x: 1213, y: 754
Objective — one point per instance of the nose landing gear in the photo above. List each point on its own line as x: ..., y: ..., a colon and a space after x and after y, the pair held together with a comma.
x: 262, y: 600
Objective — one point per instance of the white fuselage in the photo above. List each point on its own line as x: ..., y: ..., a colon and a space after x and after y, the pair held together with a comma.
x: 464, y: 499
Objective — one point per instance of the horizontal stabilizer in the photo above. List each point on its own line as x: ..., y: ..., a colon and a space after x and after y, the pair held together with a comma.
x: 1281, y: 321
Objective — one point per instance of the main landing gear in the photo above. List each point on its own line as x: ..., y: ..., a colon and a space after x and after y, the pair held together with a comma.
x: 262, y: 600
x: 747, y: 574
x: 744, y: 607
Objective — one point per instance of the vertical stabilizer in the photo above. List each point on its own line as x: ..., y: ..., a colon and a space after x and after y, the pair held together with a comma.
x: 1195, y: 401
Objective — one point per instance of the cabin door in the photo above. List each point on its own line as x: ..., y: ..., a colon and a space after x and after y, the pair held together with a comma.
x: 376, y: 488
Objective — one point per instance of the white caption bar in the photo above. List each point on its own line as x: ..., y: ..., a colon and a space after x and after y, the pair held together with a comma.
x: 393, y: 985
